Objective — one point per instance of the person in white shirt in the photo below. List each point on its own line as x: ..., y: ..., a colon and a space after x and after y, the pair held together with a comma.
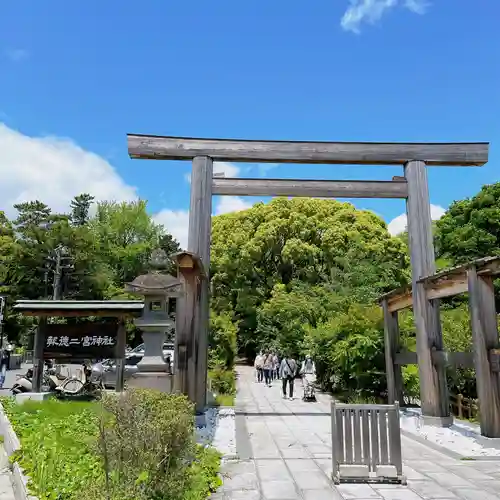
x: 308, y: 372
x: 259, y: 366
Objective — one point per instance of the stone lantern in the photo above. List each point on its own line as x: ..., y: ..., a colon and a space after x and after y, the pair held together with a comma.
x: 158, y: 318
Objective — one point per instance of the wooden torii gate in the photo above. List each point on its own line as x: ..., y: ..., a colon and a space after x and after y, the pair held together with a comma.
x: 476, y: 279
x: 414, y: 157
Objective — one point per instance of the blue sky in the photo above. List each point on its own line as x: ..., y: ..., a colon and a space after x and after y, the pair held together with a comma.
x: 76, y: 77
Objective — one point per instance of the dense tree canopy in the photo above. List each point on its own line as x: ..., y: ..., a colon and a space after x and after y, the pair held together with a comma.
x: 267, y: 251
x: 102, y: 245
x: 471, y: 228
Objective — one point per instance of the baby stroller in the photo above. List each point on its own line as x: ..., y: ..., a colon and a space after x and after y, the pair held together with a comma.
x: 308, y: 372
x: 309, y: 391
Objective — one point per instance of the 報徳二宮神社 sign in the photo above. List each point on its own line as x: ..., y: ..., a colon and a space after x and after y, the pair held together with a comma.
x: 80, y: 341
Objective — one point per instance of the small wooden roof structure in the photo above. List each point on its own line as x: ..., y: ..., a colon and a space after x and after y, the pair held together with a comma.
x: 190, y: 262
x: 78, y: 308
x: 446, y: 283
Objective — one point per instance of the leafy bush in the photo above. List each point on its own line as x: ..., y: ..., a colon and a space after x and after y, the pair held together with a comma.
x: 138, y: 446
x: 349, y: 351
x: 146, y: 439
x: 223, y: 381
x: 222, y: 340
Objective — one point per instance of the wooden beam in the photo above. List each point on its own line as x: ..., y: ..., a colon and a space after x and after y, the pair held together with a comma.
x: 200, y: 228
x: 62, y: 313
x: 400, y: 302
x: 485, y: 339
x: 446, y: 283
x: 355, y: 153
x: 433, y: 388
x: 38, y: 363
x: 184, y: 334
x: 391, y: 347
x: 121, y: 344
x: 446, y: 288
x: 462, y: 359
x: 309, y: 188
x: 406, y: 358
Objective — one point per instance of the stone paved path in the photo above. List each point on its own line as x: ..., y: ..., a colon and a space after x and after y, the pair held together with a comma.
x: 285, y: 449
x: 6, y: 489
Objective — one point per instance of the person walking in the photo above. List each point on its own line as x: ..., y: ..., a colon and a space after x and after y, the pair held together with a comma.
x: 4, y: 362
x: 259, y: 366
x: 308, y: 372
x: 268, y: 368
x: 276, y: 366
x: 288, y: 370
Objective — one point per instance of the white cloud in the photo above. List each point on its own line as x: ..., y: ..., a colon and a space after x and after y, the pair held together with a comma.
x: 371, y: 11
x: 399, y: 223
x: 53, y: 170
x: 229, y: 204
x: 176, y: 222
x: 221, y: 167
x: 16, y: 55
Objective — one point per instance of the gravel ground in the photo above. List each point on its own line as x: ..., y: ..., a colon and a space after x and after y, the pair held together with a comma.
x: 462, y: 437
x: 219, y: 431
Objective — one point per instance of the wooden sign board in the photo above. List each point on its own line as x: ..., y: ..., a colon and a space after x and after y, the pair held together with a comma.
x: 80, y: 341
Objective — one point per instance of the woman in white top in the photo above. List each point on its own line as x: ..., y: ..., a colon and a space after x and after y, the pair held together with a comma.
x: 259, y: 366
x: 308, y: 372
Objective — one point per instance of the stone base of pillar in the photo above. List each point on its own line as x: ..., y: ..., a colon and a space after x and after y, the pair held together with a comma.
x: 152, y: 380
x: 201, y: 420
x: 437, y: 421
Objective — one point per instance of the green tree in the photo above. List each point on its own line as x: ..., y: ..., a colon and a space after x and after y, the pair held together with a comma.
x: 80, y: 209
x: 282, y: 321
x: 125, y: 235
x: 470, y: 229
x: 300, y: 240
x: 222, y: 340
x: 349, y: 350
x: 170, y: 246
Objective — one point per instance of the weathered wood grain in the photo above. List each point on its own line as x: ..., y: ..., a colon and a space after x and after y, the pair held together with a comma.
x: 309, y: 188
x: 433, y: 388
x: 391, y: 347
x: 446, y: 283
x: 121, y: 344
x: 354, y: 153
x: 200, y: 228
x: 484, y: 339
x: 38, y: 363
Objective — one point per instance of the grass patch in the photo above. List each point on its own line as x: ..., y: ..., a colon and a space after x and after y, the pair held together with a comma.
x: 223, y: 384
x: 224, y: 399
x: 114, y: 449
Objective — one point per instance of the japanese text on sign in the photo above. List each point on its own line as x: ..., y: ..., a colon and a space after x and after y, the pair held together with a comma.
x: 86, y: 341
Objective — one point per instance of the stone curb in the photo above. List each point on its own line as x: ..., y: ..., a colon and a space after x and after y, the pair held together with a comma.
x: 11, y: 445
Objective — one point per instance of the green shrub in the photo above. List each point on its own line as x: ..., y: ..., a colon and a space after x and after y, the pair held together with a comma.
x: 222, y: 341
x: 137, y: 446
x: 349, y: 351
x: 223, y: 381
x: 146, y: 439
